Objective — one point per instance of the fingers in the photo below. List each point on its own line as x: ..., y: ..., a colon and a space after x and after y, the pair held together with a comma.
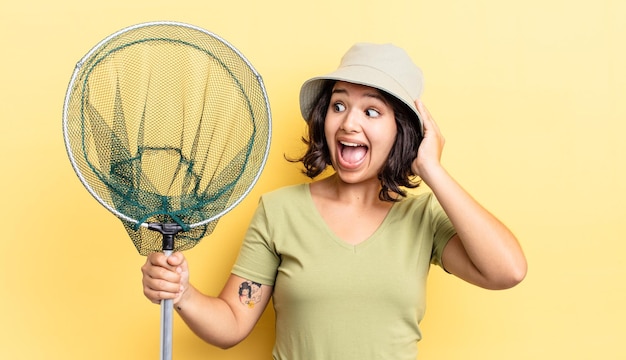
x: 430, y: 149
x: 427, y: 118
x: 162, y: 276
x: 176, y: 259
x: 161, y: 260
x: 422, y: 108
x: 156, y: 296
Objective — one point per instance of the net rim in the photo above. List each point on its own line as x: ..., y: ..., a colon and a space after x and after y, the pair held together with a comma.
x: 120, y: 32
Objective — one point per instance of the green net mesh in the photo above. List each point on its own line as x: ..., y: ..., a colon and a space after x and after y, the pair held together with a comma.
x: 166, y: 123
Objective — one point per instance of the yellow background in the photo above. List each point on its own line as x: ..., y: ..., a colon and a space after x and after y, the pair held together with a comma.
x: 529, y: 94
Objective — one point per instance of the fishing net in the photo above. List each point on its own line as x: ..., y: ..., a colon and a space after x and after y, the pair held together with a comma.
x: 166, y: 123
x: 167, y: 126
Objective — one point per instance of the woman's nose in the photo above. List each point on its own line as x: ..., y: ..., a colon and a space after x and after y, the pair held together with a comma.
x: 350, y: 122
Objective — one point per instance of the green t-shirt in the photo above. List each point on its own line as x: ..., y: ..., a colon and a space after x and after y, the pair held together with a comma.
x: 336, y: 301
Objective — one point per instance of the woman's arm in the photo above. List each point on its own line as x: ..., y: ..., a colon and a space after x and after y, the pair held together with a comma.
x: 484, y: 252
x: 223, y: 321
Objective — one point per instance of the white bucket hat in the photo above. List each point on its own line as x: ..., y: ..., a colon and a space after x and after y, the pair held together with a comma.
x: 382, y: 66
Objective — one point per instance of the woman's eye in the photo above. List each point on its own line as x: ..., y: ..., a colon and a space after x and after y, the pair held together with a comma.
x: 339, y: 107
x: 372, y: 113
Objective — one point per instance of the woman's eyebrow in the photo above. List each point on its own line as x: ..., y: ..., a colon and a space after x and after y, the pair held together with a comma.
x: 340, y: 91
x: 373, y: 94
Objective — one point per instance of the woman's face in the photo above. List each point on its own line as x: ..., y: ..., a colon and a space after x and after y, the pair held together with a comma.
x: 360, y: 129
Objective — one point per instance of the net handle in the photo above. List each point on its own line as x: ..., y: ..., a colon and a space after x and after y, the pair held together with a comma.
x: 167, y: 320
x: 168, y: 230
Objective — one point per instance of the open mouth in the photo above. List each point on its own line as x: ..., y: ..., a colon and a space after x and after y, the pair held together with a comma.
x: 352, y: 153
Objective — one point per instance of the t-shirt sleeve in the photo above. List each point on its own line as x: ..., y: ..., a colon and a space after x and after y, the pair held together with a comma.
x: 258, y: 260
x: 443, y: 231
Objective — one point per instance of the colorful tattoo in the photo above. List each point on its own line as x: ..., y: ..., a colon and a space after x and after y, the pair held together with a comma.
x: 249, y: 293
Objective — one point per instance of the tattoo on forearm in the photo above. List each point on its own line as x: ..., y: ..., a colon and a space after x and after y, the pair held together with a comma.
x: 249, y: 293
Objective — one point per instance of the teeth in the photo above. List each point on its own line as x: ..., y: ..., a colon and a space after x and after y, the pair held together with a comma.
x: 349, y: 144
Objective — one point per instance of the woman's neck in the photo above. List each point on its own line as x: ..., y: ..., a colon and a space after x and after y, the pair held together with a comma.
x: 363, y: 193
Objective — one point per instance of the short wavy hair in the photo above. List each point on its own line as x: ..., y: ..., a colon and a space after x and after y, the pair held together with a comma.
x: 396, y: 174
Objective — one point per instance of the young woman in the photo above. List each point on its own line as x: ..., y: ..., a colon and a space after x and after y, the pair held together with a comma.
x: 345, y: 258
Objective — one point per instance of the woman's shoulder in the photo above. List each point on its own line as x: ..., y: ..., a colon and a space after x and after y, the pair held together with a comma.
x: 287, y: 201
x: 422, y: 201
x: 287, y: 193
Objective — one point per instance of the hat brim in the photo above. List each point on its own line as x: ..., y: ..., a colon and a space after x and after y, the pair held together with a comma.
x: 356, y: 74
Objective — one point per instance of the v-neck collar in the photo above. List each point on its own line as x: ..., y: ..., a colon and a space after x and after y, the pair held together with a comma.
x: 333, y: 236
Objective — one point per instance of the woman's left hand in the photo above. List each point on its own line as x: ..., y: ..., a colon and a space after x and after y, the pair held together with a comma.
x: 429, y: 152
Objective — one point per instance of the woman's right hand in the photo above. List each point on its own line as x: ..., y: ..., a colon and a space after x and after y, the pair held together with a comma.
x: 222, y: 321
x: 165, y: 277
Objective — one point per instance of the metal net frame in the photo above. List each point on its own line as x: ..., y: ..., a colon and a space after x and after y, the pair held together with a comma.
x: 166, y: 123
